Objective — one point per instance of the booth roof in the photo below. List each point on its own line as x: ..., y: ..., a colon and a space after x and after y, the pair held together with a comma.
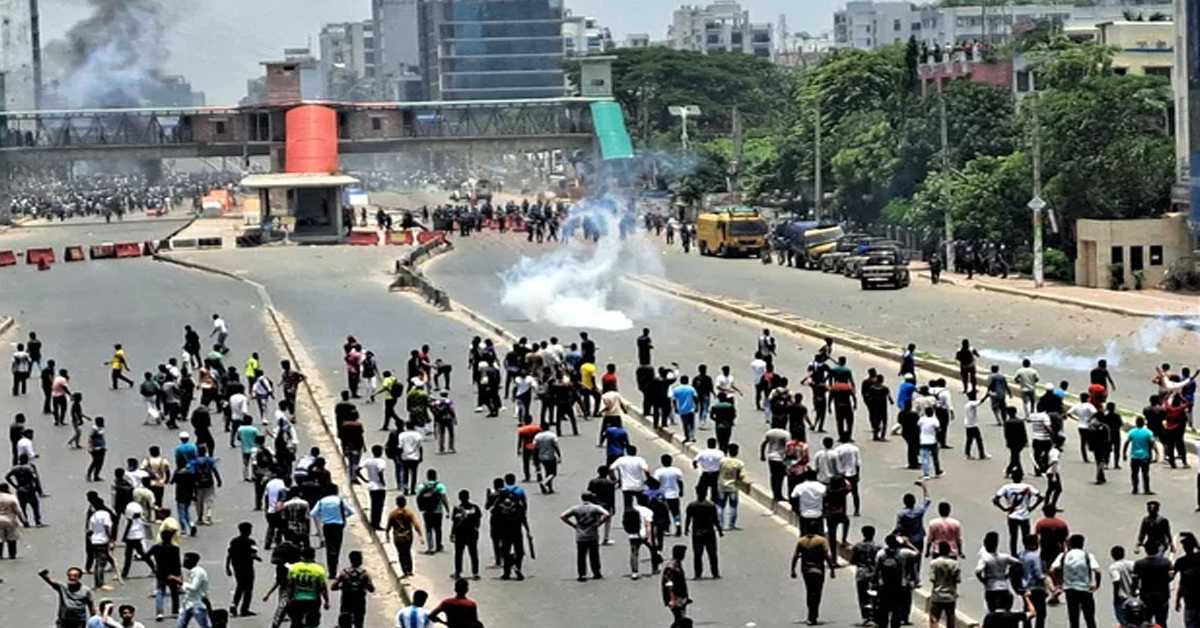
x: 301, y: 180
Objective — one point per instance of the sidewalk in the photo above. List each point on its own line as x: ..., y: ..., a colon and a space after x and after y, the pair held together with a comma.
x: 1150, y: 303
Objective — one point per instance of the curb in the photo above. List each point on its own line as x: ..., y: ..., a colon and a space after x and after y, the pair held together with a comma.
x: 326, y: 424
x: 1089, y: 305
x: 864, y: 344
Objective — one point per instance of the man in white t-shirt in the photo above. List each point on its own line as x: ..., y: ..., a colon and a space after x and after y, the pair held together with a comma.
x: 411, y: 454
x: 642, y: 536
x: 927, y: 428
x: 373, y: 471
x: 971, y: 422
x: 808, y: 502
x: 100, y: 539
x: 825, y: 462
x: 239, y: 407
x: 1041, y: 433
x: 849, y: 465
x: 134, y: 538
x: 708, y: 461
x: 1083, y: 413
x: 758, y: 368
x: 219, y: 329
x: 1017, y: 499
x: 670, y: 480
x: 631, y: 471
x: 724, y: 384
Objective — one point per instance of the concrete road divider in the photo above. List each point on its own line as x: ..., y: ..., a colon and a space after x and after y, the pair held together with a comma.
x: 182, y: 243
x: 103, y: 251
x: 8, y: 258
x: 148, y: 248
x: 210, y: 243
x: 128, y: 249
x: 39, y: 257
x: 364, y: 238
x: 73, y: 254
x: 403, y: 238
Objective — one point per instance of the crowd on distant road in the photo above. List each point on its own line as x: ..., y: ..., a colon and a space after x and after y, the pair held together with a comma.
x: 51, y: 197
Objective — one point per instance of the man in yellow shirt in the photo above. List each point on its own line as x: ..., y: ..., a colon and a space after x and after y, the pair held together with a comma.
x: 120, y: 365
x: 590, y: 399
x: 308, y: 591
x: 252, y: 367
x: 387, y: 388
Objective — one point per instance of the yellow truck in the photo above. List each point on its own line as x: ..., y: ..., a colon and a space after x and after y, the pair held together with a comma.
x: 731, y: 231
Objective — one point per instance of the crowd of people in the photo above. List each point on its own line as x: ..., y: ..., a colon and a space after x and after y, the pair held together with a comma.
x: 52, y: 197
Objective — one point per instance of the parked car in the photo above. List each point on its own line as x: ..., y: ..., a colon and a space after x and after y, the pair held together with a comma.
x: 852, y: 266
x: 831, y: 262
x: 885, y: 269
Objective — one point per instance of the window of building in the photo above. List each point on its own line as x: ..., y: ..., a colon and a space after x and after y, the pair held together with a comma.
x: 736, y: 38
x: 714, y: 39
x: 1156, y: 255
x: 1120, y: 71
x: 1022, y: 81
x: 916, y: 26
x: 220, y: 127
x: 1136, y: 262
x: 1158, y: 70
x: 896, y: 25
x: 1117, y: 255
x: 376, y: 124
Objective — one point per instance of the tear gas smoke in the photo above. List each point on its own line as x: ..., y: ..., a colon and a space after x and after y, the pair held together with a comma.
x: 1146, y: 339
x: 113, y: 58
x: 576, y: 285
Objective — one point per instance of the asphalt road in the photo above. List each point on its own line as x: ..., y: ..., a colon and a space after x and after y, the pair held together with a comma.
x: 754, y: 588
x: 690, y: 335
x: 80, y: 310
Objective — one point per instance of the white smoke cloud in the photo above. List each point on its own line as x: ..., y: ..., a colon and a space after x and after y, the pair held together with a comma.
x: 1147, y: 339
x: 576, y: 285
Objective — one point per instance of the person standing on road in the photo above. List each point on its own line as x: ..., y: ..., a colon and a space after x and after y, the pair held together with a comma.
x: 1026, y: 379
x: 373, y: 471
x: 75, y: 602
x: 604, y: 490
x: 548, y: 457
x: 1017, y: 500
x: 644, y: 347
x: 966, y: 357
x: 403, y: 526
x: 411, y: 454
x: 586, y: 518
x: 1152, y: 582
x: 684, y: 399
x: 813, y: 554
x: 997, y: 387
x: 433, y: 504
x: 708, y: 462
x: 1187, y: 568
x: 630, y: 472
x: 239, y: 564
x: 1140, y: 452
x: 928, y: 427
x: 701, y: 518
x: 21, y: 366
x: 944, y: 578
x: 729, y: 481
x: 465, y: 521
x: 195, y: 593
x: 1080, y: 575
x: 354, y: 583
x: 674, y: 586
x: 993, y: 570
x: 331, y: 513
x: 459, y: 611
x: 10, y: 517
x: 893, y: 581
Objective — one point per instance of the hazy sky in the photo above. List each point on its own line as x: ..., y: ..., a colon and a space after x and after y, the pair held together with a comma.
x: 217, y: 44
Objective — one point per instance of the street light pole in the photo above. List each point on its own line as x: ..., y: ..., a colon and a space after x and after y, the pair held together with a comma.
x: 945, y: 133
x: 684, y: 112
x: 1036, y: 203
x: 818, y: 195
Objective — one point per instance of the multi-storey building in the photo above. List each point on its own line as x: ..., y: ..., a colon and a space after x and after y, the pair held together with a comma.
x: 20, y: 57
x: 584, y: 36
x: 491, y: 49
x: 722, y: 26
x: 349, y: 60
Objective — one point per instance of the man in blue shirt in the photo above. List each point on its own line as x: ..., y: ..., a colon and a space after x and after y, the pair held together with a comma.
x: 904, y: 394
x: 684, y: 397
x: 331, y: 512
x: 1140, y: 452
x: 185, y: 451
x: 615, y: 439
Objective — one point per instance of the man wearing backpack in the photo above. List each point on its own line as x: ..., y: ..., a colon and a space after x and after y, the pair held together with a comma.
x: 893, y: 584
x: 508, y: 509
x: 433, y: 504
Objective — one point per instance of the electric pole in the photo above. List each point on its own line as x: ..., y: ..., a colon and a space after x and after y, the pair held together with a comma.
x: 818, y: 195
x: 735, y: 164
x: 1036, y: 203
x: 945, y: 133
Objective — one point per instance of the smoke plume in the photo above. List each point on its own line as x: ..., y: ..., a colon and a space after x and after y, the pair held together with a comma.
x: 1147, y: 339
x: 576, y: 285
x: 114, y: 58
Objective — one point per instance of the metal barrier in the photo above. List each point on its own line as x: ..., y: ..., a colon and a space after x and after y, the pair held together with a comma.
x: 40, y: 257
x: 8, y: 258
x: 73, y: 254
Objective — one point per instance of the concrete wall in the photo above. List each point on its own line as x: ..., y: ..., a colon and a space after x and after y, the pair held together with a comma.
x: 16, y: 56
x: 1097, y: 238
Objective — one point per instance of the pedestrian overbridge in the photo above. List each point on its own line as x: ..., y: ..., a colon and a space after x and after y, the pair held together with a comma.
x: 33, y: 137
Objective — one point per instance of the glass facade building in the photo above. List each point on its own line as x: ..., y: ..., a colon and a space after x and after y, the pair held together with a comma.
x: 492, y: 49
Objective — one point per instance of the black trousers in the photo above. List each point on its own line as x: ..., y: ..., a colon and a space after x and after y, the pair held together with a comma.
x: 20, y: 383
x: 587, y: 552
x: 1018, y: 529
x: 466, y: 546
x: 1140, y: 467
x: 389, y: 412
x: 701, y: 544
x: 378, y: 497
x: 974, y: 436
x: 243, y: 590
x: 512, y: 550
x: 93, y: 470
x: 333, y: 544
x: 891, y: 607
x: 813, y: 584
x: 777, y: 470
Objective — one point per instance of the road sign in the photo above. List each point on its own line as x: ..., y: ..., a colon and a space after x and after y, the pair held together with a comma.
x: 1037, y: 204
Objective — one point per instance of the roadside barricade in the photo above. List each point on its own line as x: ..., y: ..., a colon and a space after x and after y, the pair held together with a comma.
x: 8, y: 258
x: 73, y: 254
x: 103, y: 251
x: 404, y: 238
x: 128, y: 249
x: 40, y: 257
x: 364, y: 238
x: 148, y: 248
x: 429, y: 236
x: 210, y: 243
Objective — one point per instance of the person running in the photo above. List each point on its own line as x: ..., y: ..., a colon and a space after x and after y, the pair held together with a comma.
x: 586, y: 518
x: 119, y: 366
x: 813, y: 553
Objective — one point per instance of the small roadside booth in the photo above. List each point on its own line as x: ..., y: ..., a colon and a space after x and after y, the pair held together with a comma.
x: 312, y: 202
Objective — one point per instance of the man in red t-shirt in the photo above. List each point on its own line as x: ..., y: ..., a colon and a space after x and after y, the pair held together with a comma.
x: 459, y: 611
x: 525, y: 447
x: 1052, y: 532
